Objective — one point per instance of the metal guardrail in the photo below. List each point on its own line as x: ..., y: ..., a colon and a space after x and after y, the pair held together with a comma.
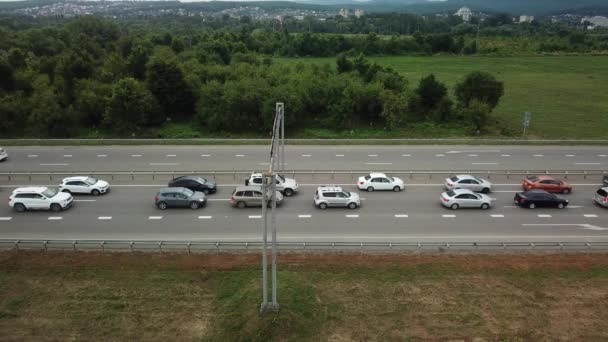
x: 159, y: 246
x: 294, y: 173
x: 434, y: 140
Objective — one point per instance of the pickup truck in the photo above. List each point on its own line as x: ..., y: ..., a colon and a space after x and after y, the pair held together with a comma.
x: 287, y: 186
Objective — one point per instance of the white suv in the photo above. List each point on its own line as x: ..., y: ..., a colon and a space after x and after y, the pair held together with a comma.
x: 334, y: 196
x: 84, y: 185
x: 39, y: 198
x: 287, y: 186
x: 3, y: 154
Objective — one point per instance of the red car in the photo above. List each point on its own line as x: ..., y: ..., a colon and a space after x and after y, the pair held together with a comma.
x: 546, y: 183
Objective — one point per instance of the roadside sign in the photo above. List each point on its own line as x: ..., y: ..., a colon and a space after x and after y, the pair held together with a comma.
x: 527, y: 117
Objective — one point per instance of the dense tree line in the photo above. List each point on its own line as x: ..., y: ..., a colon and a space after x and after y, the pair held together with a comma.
x: 63, y: 81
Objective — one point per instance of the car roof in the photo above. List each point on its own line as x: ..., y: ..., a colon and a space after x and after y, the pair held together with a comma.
x: 30, y: 189
x: 465, y: 177
x: 377, y: 174
x: 544, y: 177
x: 330, y: 188
x: 172, y: 189
x: 187, y: 177
x: 75, y: 178
x: 248, y: 188
x: 463, y: 191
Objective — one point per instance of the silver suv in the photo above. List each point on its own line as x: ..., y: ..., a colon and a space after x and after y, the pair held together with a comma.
x: 334, y: 196
x: 287, y: 186
x: 251, y: 196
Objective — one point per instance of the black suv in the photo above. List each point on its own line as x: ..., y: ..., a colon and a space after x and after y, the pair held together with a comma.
x: 194, y: 183
x: 539, y: 198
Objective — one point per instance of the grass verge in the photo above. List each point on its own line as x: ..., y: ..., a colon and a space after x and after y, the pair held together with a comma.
x: 326, y: 297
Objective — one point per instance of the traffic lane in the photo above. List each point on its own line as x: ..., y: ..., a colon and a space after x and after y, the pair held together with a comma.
x: 304, y: 157
x: 381, y: 217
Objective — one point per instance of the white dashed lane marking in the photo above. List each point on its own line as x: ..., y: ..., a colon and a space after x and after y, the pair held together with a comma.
x: 497, y: 216
x: 239, y: 155
x: 55, y: 164
x: 448, y: 216
x: 570, y: 155
x: 205, y: 217
x: 378, y: 163
x: 440, y: 155
x: 372, y: 155
x: 55, y: 218
x: 102, y: 155
x: 544, y: 215
x: 602, y: 155
x: 5, y: 218
x: 401, y: 216
x: 32, y: 155
x: 87, y: 200
x: 136, y: 155
x: 352, y: 216
x: 505, y: 155
x: 472, y: 155
x: 104, y: 218
x: 587, y: 163
x: 538, y: 155
x: 590, y: 215
x: 171, y: 155
x: 406, y: 155
x: 339, y: 155
x: 164, y: 163
x: 255, y: 216
x: 155, y: 217
x: 205, y: 155
x: 306, y: 155
x: 484, y: 163
x: 67, y: 156
x: 304, y: 216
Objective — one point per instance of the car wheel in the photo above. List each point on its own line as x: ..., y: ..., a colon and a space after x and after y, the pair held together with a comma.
x: 288, y: 192
x: 95, y: 192
x: 561, y: 205
x: 194, y: 205
x: 485, y: 206
x: 531, y: 205
x: 352, y: 205
x: 322, y: 205
x: 370, y: 188
x: 162, y: 205
x: 19, y: 207
x: 55, y: 207
x: 454, y: 206
x: 206, y: 191
x: 566, y: 191
x: 396, y: 189
x: 241, y: 205
x: 485, y: 190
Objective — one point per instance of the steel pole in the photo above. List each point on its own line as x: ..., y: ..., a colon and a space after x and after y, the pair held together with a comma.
x: 282, y: 137
x: 264, y: 304
x: 275, y: 304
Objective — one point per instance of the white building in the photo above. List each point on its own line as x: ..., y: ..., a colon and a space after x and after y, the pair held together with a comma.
x: 343, y: 12
x: 359, y: 13
x: 465, y: 13
x: 526, y: 19
x: 595, y: 21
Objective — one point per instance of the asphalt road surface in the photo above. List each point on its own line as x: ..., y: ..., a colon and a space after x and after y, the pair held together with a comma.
x: 128, y: 212
x: 243, y: 158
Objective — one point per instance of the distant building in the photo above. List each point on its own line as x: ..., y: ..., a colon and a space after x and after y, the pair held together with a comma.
x: 359, y: 13
x: 526, y: 19
x: 596, y: 21
x: 343, y: 13
x: 465, y: 13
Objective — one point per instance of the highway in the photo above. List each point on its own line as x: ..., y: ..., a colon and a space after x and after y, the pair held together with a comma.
x: 128, y: 211
x: 243, y: 158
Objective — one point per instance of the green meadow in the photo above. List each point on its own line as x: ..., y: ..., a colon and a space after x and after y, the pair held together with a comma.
x: 567, y: 95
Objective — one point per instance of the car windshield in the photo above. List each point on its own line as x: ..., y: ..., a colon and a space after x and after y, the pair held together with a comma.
x: 202, y: 180
x: 91, y: 180
x: 602, y: 192
x: 390, y: 178
x: 50, y: 192
x: 368, y: 177
x: 188, y: 192
x: 281, y: 178
x: 478, y: 179
x: 451, y: 193
x: 347, y: 194
x: 454, y: 179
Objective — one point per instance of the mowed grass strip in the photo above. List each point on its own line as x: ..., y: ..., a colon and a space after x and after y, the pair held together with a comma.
x: 566, y: 94
x: 330, y: 297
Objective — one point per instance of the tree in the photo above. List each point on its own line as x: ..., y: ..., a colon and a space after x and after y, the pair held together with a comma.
x: 130, y: 107
x: 166, y: 81
x: 476, y: 115
x: 481, y: 86
x: 7, y: 77
x: 343, y: 64
x: 430, y: 92
x: 394, y: 109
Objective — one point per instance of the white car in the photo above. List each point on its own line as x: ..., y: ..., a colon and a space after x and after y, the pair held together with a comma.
x: 3, y: 154
x: 84, y: 185
x: 464, y: 198
x: 287, y: 186
x: 39, y: 198
x: 468, y: 182
x: 380, y: 181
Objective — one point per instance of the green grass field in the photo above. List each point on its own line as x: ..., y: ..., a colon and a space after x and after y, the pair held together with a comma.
x: 567, y: 95
x: 323, y: 297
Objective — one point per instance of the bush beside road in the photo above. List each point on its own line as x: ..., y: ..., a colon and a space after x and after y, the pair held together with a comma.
x: 90, y: 296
